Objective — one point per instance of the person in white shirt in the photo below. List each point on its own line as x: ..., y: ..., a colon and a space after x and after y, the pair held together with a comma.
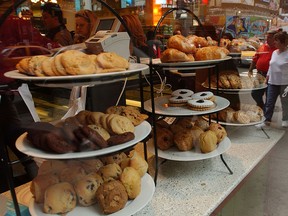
x: 277, y: 80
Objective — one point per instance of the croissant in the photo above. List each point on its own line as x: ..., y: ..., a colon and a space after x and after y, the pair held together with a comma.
x: 181, y: 43
x: 174, y: 55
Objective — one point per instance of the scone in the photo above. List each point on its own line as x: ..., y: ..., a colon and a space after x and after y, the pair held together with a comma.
x: 138, y: 163
x: 111, y: 196
x: 86, y: 188
x: 131, y: 180
x: 59, y: 198
x: 208, y: 141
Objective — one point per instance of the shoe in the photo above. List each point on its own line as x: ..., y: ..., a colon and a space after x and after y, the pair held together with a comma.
x: 285, y: 124
x: 263, y: 125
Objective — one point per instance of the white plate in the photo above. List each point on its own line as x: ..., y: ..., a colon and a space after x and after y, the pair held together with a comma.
x: 23, y: 145
x: 235, y: 124
x: 162, y: 108
x: 193, y: 155
x: 194, y: 63
x: 78, y: 79
x: 132, y: 206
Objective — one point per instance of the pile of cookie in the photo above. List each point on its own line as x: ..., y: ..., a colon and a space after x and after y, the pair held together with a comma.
x: 109, y: 181
x: 86, y: 131
x: 198, y: 101
x: 188, y: 133
x: 72, y: 62
x: 232, y: 80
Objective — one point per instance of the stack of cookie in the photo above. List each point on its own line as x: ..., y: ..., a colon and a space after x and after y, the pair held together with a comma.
x: 72, y: 62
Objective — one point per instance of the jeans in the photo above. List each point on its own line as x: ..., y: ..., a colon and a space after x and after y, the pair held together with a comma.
x: 273, y: 91
x: 257, y: 95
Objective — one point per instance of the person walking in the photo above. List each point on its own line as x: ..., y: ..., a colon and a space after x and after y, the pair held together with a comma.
x: 277, y: 79
x: 261, y: 63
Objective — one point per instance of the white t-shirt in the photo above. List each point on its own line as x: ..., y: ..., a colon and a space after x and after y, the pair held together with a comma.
x: 278, y: 68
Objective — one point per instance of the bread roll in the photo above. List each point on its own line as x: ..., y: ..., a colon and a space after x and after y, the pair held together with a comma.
x: 59, y: 198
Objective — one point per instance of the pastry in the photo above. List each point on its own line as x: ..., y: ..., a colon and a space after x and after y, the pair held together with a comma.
x: 195, y: 132
x: 197, y: 41
x: 178, y: 101
x: 183, y: 140
x: 86, y: 188
x: 72, y: 174
x: 164, y: 138
x: 39, y: 185
x: 131, y: 180
x: 174, y: 55
x: 59, y: 198
x: 205, y: 95
x: 207, y: 141
x: 110, y: 172
x: 202, y: 123
x: 219, y: 131
x: 241, y: 117
x: 181, y: 43
x: 138, y: 163
x: 111, y: 196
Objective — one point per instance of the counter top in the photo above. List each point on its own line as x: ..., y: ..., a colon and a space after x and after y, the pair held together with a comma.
x: 199, y: 187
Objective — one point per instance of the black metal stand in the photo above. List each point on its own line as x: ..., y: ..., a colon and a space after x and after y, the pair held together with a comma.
x: 222, y: 159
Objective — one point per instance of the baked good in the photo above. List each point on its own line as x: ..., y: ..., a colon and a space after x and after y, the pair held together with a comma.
x: 120, y: 124
x: 39, y: 185
x: 138, y: 163
x: 253, y: 116
x: 185, y: 122
x: 91, y: 165
x: 76, y: 62
x: 110, y: 172
x: 182, y: 92
x: 241, y: 117
x: 219, y: 130
x: 35, y: 65
x: 202, y: 123
x: 110, y: 60
x: 204, y: 95
x: 23, y: 66
x: 235, y: 81
x: 197, y: 41
x: 111, y: 196
x: 59, y: 198
x: 164, y: 138
x: 120, y: 138
x: 195, y: 132
x: 200, y: 105
x: 72, y: 174
x: 86, y: 188
x: 57, y: 66
x: 211, y: 53
x: 47, y: 67
x: 115, y: 158
x: 207, y: 141
x: 181, y: 43
x: 174, y: 55
x: 178, y: 101
x: 131, y: 180
x: 104, y: 133
x: 183, y: 140
x: 53, y: 167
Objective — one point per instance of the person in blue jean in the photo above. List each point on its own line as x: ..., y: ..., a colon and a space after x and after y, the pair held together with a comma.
x: 277, y: 79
